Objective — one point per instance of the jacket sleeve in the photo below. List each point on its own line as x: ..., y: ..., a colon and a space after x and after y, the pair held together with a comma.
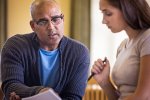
x: 12, y: 71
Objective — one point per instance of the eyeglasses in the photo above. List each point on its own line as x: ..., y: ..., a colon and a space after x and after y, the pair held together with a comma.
x: 55, y: 20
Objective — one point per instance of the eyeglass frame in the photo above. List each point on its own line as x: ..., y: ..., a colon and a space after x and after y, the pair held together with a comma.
x: 45, y: 22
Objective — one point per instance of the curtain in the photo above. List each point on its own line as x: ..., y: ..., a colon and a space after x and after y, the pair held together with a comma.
x: 2, y: 22
x: 80, y: 21
x: 2, y: 26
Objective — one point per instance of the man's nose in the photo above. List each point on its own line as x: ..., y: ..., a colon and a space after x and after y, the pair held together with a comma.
x: 50, y: 25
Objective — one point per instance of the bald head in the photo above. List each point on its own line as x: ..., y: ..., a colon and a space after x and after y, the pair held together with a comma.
x: 39, y: 5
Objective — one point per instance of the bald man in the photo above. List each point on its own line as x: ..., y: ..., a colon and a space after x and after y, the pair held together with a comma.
x: 35, y: 62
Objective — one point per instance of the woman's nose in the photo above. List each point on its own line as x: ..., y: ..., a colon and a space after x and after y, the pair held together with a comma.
x: 104, y: 21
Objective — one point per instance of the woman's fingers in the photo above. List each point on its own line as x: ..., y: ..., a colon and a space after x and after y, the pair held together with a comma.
x: 98, y: 66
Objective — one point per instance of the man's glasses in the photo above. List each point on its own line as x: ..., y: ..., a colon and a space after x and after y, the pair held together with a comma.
x: 55, y: 20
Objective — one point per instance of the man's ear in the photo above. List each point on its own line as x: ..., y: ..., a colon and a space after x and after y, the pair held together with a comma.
x: 63, y: 18
x: 32, y: 25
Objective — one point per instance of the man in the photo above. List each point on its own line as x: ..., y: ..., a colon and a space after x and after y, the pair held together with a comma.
x: 33, y: 63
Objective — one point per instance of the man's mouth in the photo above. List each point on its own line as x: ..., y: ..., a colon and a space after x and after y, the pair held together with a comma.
x: 52, y: 35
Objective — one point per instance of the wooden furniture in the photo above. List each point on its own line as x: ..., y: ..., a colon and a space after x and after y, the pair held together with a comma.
x: 94, y: 91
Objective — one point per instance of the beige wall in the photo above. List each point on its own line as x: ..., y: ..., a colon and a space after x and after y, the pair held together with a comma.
x: 19, y: 16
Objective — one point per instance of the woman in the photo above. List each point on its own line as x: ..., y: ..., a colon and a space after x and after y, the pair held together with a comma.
x: 131, y: 71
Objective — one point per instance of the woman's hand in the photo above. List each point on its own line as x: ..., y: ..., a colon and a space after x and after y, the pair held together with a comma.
x: 101, y: 71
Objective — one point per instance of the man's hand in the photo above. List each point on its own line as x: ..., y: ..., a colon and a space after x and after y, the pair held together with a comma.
x: 46, y: 89
x: 14, y: 96
x: 43, y: 90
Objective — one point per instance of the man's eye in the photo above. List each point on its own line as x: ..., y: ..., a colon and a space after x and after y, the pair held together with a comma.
x: 56, y: 19
x: 42, y: 22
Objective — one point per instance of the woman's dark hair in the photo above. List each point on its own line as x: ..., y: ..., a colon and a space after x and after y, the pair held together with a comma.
x: 135, y: 12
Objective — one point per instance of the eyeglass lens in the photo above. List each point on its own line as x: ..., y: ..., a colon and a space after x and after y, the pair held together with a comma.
x: 55, y: 20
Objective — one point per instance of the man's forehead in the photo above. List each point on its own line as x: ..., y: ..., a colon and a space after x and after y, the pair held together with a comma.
x: 45, y: 7
x: 40, y: 3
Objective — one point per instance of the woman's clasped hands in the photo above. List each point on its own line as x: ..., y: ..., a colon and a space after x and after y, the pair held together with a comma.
x: 101, y: 71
